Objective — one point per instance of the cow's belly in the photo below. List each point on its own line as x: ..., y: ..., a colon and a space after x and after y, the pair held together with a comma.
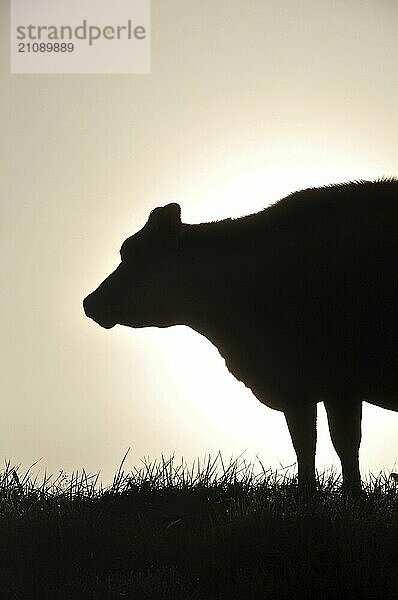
x: 289, y: 350
x: 384, y: 401
x: 281, y: 393
x: 278, y: 378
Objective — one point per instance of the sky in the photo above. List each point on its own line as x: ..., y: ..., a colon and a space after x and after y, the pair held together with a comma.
x: 247, y: 100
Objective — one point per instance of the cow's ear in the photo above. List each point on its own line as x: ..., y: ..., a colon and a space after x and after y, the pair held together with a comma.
x: 166, y: 222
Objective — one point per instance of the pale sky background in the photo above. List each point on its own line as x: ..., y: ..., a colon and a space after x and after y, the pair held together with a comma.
x: 247, y: 101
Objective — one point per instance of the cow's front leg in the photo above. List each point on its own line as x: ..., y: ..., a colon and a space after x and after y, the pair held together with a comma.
x: 345, y: 430
x: 301, y: 420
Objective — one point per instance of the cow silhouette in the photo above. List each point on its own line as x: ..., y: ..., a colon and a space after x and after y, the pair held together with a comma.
x: 301, y: 300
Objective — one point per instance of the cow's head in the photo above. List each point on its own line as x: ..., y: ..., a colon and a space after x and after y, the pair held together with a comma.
x: 140, y: 292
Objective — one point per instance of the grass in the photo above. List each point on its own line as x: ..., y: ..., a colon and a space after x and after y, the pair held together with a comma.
x: 207, y: 532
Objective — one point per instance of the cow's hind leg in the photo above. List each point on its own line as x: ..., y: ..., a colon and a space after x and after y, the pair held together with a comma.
x: 345, y: 430
x: 302, y: 426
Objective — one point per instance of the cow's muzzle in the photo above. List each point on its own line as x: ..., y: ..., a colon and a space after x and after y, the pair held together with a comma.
x: 100, y: 316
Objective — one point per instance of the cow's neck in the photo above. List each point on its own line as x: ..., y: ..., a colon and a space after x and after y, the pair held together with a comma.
x: 203, y: 305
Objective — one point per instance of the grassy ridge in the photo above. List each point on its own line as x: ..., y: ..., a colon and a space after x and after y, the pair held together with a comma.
x: 206, y: 533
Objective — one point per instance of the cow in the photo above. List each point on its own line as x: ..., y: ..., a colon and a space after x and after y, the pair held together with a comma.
x: 300, y: 299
